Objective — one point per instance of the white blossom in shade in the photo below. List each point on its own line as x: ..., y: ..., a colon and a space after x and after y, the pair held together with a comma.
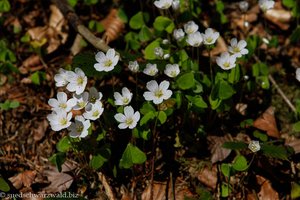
x: 172, y: 70
x: 81, y: 100
x: 129, y: 119
x: 238, y: 48
x: 266, y: 4
x: 159, y: 52
x: 124, y: 98
x: 62, y: 102
x: 165, y: 41
x: 163, y: 4
x: 93, y: 111
x: 190, y: 27
x: 94, y: 95
x: 226, y: 61
x: 175, y: 4
x: 59, y: 120
x: 178, y: 34
x: 151, y: 69
x: 157, y: 93
x: 194, y: 39
x: 210, y: 36
x: 133, y: 66
x: 77, y: 81
x: 106, y: 62
x: 166, y: 56
x: 61, y: 79
x: 298, y: 74
x: 79, y: 128
x: 244, y: 5
x: 254, y: 146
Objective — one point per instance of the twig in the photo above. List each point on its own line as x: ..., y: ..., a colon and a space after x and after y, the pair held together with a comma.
x: 74, y: 20
x: 282, y: 94
x: 108, y: 190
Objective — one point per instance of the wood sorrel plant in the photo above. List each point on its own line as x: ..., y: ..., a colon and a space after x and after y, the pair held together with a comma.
x: 162, y: 87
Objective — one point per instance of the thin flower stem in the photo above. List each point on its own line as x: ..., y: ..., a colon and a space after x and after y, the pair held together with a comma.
x: 210, y: 66
x: 154, y: 134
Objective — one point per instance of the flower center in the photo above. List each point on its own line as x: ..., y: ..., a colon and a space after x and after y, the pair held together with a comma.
x: 158, y: 93
x: 63, y: 105
x: 79, y: 128
x: 93, y: 99
x: 173, y: 73
x: 96, y: 113
x: 209, y: 40
x: 152, y: 72
x: 80, y: 80
x: 107, y: 63
x: 129, y: 121
x: 125, y: 100
x: 63, y: 121
x: 236, y: 50
x: 226, y: 64
x: 81, y: 104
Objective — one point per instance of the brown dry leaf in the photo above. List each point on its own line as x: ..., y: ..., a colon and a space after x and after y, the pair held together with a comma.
x: 59, y: 181
x: 241, y: 108
x: 292, y: 141
x: 39, y: 132
x: 159, y: 191
x: 113, y: 26
x: 267, y: 122
x: 280, y: 17
x: 107, y: 187
x: 266, y: 192
x: 215, y: 146
x: 25, y: 178
x: 31, y: 61
x: 208, y: 176
x: 76, y: 47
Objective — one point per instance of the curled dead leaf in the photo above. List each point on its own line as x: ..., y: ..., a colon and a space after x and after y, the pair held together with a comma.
x: 25, y: 178
x: 113, y: 26
x: 266, y: 192
x: 279, y: 17
x: 267, y: 122
x: 215, y: 146
x: 208, y: 176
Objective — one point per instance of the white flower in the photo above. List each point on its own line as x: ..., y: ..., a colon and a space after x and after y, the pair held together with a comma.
x: 244, y: 5
x: 124, y: 99
x: 166, y: 56
x: 157, y: 93
x: 190, y: 27
x: 81, y: 100
x: 254, y: 146
x: 266, y: 4
x: 61, y: 79
x: 175, y: 4
x: 172, y: 70
x: 178, y: 34
x: 59, y: 120
x: 151, y: 69
x: 94, y: 95
x: 129, y: 119
x: 77, y: 80
x: 163, y: 4
x: 238, y: 48
x: 210, y: 37
x: 93, y: 111
x: 133, y: 66
x: 106, y: 62
x: 62, y: 102
x: 226, y: 61
x: 194, y: 39
x: 79, y: 128
x: 298, y: 74
x: 159, y: 52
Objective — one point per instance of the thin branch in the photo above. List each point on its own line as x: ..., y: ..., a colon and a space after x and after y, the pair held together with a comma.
x: 74, y: 20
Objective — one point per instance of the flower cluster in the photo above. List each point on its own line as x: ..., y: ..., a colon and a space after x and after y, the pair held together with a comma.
x: 236, y: 50
x: 266, y: 4
x: 87, y: 103
x: 166, y: 4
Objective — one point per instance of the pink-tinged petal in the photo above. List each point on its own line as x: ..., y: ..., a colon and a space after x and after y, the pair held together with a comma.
x: 168, y: 94
x: 208, y: 31
x: 120, y: 117
x: 233, y: 42
x: 219, y: 61
x: 53, y: 103
x: 99, y: 67
x: 110, y: 53
x: 216, y: 35
x: 123, y: 126
x: 148, y: 96
x: 69, y: 116
x: 244, y: 51
x: 157, y: 100
x: 152, y: 85
x: 100, y: 56
x: 164, y: 85
x: 118, y: 96
x: 125, y: 91
x: 71, y: 87
x: 56, y: 127
x: 128, y: 111
x: 62, y: 97
x: 136, y: 116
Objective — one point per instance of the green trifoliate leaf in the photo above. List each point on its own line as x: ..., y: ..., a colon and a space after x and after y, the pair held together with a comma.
x: 132, y: 155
